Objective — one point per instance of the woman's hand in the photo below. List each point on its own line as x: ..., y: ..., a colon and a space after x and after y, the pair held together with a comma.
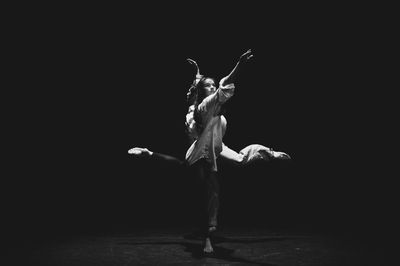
x: 246, y: 56
x: 192, y: 62
x: 232, y: 76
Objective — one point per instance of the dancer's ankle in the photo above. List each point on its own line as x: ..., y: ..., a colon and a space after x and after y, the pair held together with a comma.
x: 207, y: 246
x: 212, y: 229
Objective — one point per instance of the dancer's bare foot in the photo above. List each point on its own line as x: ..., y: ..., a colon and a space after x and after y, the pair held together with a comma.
x: 207, y: 246
x: 142, y: 152
x: 280, y: 155
x: 270, y: 154
x: 208, y: 249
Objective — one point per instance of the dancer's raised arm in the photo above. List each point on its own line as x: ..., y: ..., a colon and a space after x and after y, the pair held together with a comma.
x: 198, y: 75
x: 230, y: 78
x: 190, y: 93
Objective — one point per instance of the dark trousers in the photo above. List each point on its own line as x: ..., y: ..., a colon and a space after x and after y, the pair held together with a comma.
x: 161, y: 157
x: 207, y: 191
x: 208, y: 182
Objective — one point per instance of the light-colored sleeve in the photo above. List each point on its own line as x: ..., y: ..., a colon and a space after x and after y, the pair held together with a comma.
x: 191, y: 123
x: 220, y: 96
x: 225, y: 91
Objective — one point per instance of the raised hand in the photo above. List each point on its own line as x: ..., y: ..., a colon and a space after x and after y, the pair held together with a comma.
x: 246, y: 56
x: 192, y: 62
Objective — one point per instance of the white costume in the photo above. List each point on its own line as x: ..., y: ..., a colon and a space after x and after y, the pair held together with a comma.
x: 209, y: 144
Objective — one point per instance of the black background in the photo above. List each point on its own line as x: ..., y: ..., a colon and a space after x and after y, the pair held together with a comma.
x: 96, y: 84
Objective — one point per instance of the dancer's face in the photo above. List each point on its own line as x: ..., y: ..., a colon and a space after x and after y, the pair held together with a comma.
x: 209, y: 86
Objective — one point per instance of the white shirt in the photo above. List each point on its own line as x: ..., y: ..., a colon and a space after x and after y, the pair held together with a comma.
x: 209, y: 144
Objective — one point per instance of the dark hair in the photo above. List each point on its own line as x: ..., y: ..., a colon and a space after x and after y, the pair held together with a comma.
x: 195, y: 96
x: 193, y: 93
x: 199, y: 94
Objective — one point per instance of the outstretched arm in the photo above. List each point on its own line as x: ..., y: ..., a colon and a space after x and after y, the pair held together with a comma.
x: 190, y: 93
x: 232, y: 76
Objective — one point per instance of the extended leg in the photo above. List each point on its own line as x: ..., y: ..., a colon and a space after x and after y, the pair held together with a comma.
x: 144, y: 152
x: 251, y: 153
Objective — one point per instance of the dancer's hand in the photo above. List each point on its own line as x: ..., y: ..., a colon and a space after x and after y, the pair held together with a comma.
x: 280, y: 155
x: 232, y: 76
x: 246, y: 56
x: 193, y: 63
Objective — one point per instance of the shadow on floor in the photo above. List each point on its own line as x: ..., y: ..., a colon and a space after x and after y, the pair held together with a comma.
x: 222, y: 253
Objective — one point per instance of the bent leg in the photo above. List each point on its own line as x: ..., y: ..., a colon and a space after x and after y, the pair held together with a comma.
x: 256, y: 152
x: 251, y: 153
x: 231, y: 155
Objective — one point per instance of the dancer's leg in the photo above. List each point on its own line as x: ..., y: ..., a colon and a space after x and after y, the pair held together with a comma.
x: 144, y: 152
x: 167, y: 158
x: 251, y: 153
x: 231, y: 155
x: 211, y: 195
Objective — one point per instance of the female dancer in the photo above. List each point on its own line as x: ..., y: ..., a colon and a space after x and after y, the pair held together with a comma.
x: 249, y: 154
x: 206, y: 127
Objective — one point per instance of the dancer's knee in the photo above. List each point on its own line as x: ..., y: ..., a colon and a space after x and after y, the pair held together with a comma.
x: 240, y: 159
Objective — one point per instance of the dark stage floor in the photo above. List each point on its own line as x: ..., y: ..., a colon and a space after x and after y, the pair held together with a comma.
x: 181, y: 247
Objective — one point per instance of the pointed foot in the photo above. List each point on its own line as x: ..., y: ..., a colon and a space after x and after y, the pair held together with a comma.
x: 140, y: 152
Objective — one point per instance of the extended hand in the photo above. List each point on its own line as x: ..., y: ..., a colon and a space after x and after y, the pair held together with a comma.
x: 192, y: 62
x: 246, y: 56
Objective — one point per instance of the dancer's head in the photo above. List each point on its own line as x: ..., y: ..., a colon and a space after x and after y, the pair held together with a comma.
x: 208, y: 86
x: 200, y: 90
